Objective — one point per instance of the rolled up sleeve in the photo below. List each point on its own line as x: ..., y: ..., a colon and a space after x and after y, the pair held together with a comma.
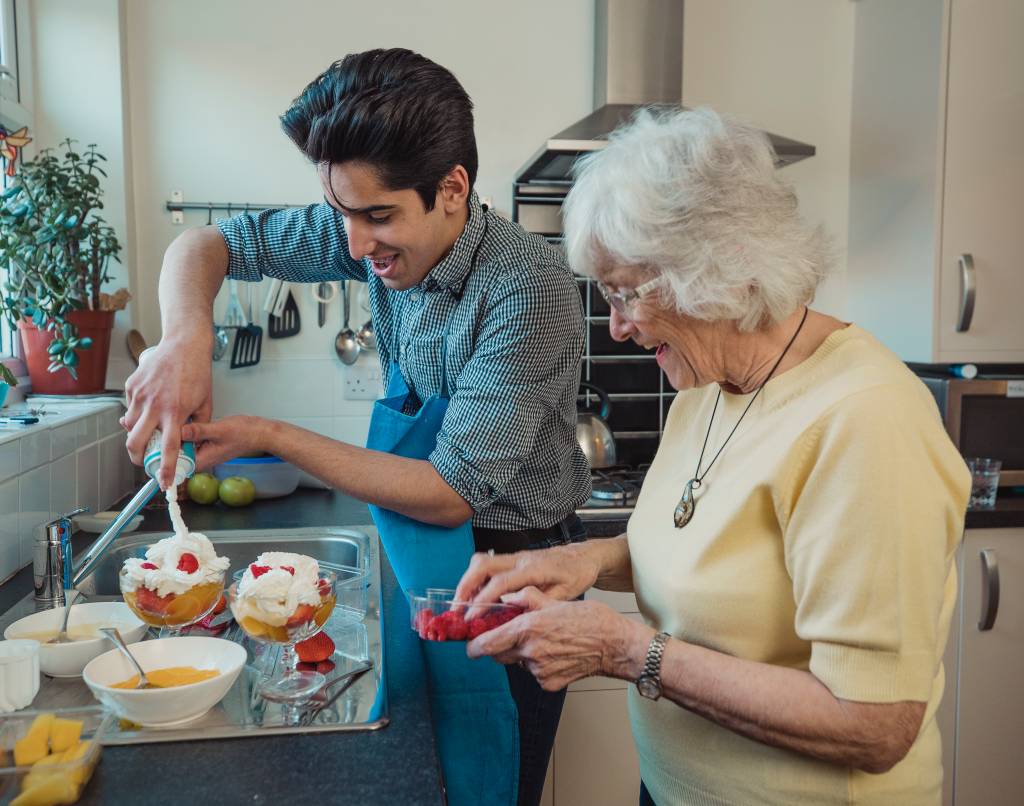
x: 299, y: 244
x: 524, y: 366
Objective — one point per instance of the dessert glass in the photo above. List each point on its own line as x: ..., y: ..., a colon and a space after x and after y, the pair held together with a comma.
x: 175, y: 611
x: 289, y: 685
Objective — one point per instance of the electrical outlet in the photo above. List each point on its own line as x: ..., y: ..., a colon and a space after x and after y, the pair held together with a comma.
x: 362, y: 382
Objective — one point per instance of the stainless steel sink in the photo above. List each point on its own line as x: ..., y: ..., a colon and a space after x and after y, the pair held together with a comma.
x: 359, y: 703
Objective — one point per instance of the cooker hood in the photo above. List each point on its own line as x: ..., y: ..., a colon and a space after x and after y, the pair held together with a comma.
x: 638, y: 62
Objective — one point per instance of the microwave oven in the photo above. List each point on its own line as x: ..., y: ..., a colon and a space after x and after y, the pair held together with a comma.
x: 984, y: 417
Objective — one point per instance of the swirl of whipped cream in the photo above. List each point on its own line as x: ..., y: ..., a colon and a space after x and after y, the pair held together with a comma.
x: 166, y: 577
x: 274, y: 595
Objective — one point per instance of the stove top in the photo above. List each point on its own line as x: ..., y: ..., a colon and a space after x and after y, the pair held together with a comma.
x: 615, y: 490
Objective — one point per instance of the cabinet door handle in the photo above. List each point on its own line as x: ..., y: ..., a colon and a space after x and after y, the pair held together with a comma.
x: 989, y: 589
x: 968, y: 291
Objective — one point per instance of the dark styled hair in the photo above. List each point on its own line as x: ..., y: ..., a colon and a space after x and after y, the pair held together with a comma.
x: 395, y: 110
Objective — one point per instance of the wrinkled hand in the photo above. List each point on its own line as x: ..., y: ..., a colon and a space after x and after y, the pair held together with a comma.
x: 563, y: 572
x: 225, y: 439
x: 173, y: 384
x: 558, y: 642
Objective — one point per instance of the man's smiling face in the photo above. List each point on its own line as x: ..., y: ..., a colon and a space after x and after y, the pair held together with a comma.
x: 402, y: 240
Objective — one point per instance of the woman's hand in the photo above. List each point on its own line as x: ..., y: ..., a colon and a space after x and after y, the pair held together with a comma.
x: 561, y: 642
x: 563, y: 572
x: 225, y: 439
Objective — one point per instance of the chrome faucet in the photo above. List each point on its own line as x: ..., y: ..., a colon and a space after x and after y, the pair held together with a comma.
x: 53, y: 567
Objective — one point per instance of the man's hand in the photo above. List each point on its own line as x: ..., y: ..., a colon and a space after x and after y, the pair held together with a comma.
x: 173, y: 384
x: 219, y: 441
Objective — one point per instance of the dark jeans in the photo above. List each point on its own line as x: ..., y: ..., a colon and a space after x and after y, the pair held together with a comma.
x: 539, y: 710
x: 645, y: 796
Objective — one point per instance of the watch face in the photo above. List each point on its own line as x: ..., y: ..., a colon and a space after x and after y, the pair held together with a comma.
x: 649, y: 688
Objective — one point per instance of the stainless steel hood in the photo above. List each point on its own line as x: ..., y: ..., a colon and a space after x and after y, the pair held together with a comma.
x: 638, y: 61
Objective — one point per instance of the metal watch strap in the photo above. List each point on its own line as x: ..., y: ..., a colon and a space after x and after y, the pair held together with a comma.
x: 650, y: 678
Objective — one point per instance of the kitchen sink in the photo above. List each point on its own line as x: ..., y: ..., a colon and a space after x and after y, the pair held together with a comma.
x: 355, y: 702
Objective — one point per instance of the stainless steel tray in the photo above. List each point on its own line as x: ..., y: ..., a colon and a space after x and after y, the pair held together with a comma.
x: 349, y: 702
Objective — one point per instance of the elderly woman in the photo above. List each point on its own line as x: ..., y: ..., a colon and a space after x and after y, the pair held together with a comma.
x: 792, y: 547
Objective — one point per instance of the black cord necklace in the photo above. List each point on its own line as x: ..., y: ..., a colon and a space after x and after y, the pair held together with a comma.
x: 687, y: 503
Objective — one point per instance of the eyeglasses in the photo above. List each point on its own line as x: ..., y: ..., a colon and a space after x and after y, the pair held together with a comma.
x: 621, y: 300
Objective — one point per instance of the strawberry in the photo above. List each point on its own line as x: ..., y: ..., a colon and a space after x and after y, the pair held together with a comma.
x: 148, y: 566
x: 188, y: 563
x: 258, y: 570
x: 318, y: 648
x: 324, y: 588
x: 219, y: 607
x: 302, y: 614
x: 149, y: 601
x: 289, y: 569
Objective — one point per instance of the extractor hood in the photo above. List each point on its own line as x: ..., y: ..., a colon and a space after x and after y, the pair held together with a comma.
x: 638, y: 62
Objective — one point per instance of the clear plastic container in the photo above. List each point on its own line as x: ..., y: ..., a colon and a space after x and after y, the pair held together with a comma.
x: 70, y: 777
x: 436, y: 616
x: 271, y: 476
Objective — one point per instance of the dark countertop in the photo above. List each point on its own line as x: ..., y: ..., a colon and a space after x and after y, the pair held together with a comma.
x: 397, y: 764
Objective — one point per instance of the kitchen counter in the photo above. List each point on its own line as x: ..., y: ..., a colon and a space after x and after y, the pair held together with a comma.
x: 397, y: 764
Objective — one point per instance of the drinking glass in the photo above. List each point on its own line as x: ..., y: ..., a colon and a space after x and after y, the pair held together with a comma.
x: 984, y: 482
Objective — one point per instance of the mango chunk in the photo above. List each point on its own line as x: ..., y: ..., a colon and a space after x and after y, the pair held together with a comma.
x: 64, y: 734
x: 50, y: 790
x: 36, y: 743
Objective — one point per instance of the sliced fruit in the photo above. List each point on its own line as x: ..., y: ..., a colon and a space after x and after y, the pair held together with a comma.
x: 64, y: 734
x: 47, y: 790
x: 188, y: 563
x: 219, y: 607
x: 258, y: 570
x: 319, y: 647
x: 148, y: 566
x: 150, y: 601
x: 302, y: 614
x: 184, y: 609
x: 254, y: 628
x: 35, y: 744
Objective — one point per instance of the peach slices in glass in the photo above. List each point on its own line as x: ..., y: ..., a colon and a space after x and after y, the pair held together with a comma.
x: 284, y: 598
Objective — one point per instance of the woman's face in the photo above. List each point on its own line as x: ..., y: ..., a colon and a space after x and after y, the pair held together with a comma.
x: 655, y: 325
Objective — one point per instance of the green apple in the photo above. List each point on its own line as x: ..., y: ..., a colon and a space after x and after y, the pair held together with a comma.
x: 202, y: 488
x: 237, y: 491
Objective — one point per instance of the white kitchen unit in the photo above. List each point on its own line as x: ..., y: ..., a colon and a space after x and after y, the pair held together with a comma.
x: 982, y: 714
x: 936, y: 242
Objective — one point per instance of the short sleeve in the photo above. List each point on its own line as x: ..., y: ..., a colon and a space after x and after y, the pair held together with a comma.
x: 873, y: 509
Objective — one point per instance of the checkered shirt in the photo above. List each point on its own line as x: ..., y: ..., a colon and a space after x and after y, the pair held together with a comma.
x: 503, y: 310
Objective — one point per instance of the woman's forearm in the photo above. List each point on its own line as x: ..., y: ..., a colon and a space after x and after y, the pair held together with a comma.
x: 787, y: 708
x: 616, y: 569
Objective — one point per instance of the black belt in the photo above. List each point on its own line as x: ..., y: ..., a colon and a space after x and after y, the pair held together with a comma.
x: 508, y: 541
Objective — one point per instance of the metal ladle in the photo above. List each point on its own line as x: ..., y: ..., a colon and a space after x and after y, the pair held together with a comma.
x: 115, y: 636
x: 346, y: 345
x: 220, y: 333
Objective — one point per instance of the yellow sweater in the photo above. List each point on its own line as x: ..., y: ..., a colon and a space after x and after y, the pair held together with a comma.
x: 823, y: 539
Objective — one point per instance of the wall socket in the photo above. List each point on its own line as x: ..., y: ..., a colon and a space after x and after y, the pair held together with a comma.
x: 362, y: 382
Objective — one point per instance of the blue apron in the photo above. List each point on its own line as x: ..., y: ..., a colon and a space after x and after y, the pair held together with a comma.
x: 475, y: 719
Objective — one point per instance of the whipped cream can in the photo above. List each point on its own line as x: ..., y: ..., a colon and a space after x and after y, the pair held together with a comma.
x: 186, y: 464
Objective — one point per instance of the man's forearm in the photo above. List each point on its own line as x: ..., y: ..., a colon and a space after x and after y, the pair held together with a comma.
x: 193, y: 271
x: 411, y: 487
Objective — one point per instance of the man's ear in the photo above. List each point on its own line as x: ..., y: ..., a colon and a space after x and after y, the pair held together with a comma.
x: 454, y: 190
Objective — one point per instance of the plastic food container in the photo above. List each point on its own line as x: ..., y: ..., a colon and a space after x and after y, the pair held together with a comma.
x: 436, y: 616
x: 19, y: 674
x: 272, y: 477
x: 68, y: 776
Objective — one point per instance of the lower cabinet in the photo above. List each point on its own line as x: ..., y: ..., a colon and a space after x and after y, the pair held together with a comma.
x: 982, y: 712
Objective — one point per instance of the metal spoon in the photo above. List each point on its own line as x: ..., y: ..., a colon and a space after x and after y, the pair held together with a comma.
x: 346, y: 344
x: 115, y: 636
x: 62, y: 636
x: 367, y: 338
x: 220, y: 341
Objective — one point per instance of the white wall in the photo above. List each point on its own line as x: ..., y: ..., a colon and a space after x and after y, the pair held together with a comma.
x: 207, y: 82
x: 785, y: 65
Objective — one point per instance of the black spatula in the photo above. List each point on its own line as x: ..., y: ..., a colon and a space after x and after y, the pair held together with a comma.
x: 248, y: 342
x: 288, y: 323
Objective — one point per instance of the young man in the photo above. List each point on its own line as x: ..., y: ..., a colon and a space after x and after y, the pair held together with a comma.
x: 480, y: 332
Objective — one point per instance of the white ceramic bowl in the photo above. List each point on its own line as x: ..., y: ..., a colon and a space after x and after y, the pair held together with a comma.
x: 166, y: 706
x: 68, y: 660
x: 99, y: 521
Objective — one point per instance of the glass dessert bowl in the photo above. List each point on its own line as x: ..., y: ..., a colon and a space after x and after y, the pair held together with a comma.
x: 282, y: 599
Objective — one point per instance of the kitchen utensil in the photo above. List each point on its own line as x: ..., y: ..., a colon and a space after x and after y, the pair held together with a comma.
x: 593, y: 432
x: 62, y: 636
x: 19, y: 673
x: 115, y: 636
x: 234, y: 316
x: 273, y: 292
x: 248, y: 340
x: 68, y: 660
x: 346, y: 345
x: 323, y: 293
x: 287, y: 322
x: 220, y: 341
x: 367, y: 337
x: 136, y: 344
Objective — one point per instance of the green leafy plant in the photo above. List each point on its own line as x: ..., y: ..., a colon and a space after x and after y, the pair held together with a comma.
x: 57, y: 248
x: 6, y: 376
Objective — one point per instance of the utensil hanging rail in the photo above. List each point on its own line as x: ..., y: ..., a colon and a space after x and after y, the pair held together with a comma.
x: 235, y: 207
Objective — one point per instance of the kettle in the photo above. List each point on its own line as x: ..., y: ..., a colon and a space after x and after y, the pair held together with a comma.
x: 593, y: 432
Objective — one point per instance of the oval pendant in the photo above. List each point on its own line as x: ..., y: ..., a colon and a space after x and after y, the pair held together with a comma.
x: 684, y: 509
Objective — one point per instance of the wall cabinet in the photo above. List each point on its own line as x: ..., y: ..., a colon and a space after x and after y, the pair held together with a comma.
x: 936, y: 246
x: 982, y: 714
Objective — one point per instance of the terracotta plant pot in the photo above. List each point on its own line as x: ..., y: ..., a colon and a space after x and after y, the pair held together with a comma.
x: 92, y: 363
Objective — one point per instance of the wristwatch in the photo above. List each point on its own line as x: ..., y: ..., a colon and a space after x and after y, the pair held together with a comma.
x: 649, y: 682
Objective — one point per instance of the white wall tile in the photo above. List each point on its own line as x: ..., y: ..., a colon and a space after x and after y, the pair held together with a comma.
x: 64, y: 485
x: 63, y: 440
x: 86, y: 430
x: 107, y: 422
x: 10, y: 459
x: 352, y: 430
x: 10, y: 542
x: 34, y: 506
x: 112, y: 453
x: 275, y: 388
x: 88, y: 465
x: 35, y: 449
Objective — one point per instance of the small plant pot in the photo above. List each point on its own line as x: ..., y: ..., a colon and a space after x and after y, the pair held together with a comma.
x: 92, y: 362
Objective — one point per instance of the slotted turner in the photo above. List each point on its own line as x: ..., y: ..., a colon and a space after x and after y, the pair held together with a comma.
x: 286, y: 321
x: 248, y: 341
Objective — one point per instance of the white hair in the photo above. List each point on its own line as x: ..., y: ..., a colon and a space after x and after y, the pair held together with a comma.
x: 695, y: 196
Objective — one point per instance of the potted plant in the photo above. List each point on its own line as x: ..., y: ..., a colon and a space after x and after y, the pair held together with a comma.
x: 58, y: 250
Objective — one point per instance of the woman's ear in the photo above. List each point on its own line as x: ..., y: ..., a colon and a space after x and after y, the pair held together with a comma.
x: 454, y: 190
